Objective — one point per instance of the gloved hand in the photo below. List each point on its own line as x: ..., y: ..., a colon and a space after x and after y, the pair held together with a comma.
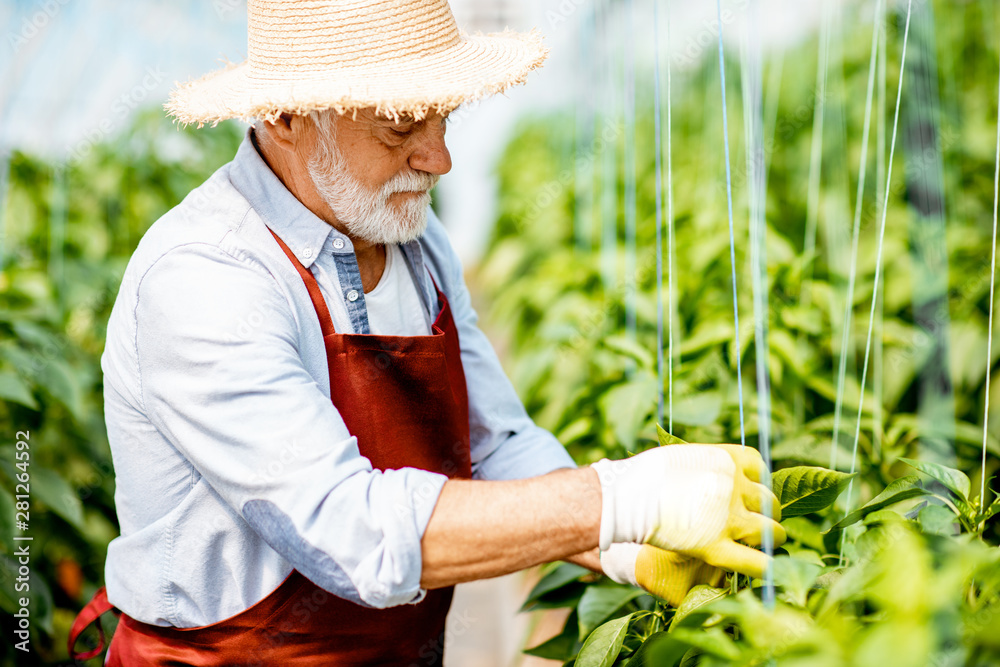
x: 697, y: 500
x: 665, y: 574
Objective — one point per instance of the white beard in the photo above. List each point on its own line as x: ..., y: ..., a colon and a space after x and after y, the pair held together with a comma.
x: 367, y: 214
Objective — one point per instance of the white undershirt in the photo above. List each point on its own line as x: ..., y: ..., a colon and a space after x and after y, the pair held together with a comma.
x: 394, y: 306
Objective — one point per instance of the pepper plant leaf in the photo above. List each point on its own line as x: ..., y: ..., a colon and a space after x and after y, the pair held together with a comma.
x: 561, y: 647
x: 627, y: 405
x: 603, y: 645
x: 711, y: 641
x: 955, y: 481
x: 600, y: 602
x: 641, y: 657
x: 806, y: 489
x: 627, y: 347
x: 991, y: 511
x: 668, y: 438
x: 796, y: 577
x: 901, y: 489
x: 563, y: 575
x: 697, y: 597
x: 14, y: 388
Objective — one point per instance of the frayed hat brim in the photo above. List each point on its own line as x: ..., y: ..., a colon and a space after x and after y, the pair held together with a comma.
x: 476, y: 67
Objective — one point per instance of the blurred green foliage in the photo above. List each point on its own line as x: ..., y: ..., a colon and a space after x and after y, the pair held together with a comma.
x: 912, y: 590
x: 563, y: 321
x: 69, y: 230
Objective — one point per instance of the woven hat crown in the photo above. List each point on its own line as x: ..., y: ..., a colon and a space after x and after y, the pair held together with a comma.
x: 396, y: 56
x: 320, y: 35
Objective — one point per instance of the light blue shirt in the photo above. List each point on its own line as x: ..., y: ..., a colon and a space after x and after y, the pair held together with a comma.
x: 232, y: 464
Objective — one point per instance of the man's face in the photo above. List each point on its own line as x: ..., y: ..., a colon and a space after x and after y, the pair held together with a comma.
x: 376, y: 174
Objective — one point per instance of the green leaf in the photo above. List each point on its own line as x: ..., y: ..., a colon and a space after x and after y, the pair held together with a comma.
x: 13, y: 388
x: 57, y: 494
x: 697, y: 597
x: 803, y: 531
x: 808, y: 448
x: 707, y: 334
x: 796, y: 577
x: 600, y: 602
x: 937, y: 520
x: 790, y: 350
x: 627, y: 405
x: 561, y: 647
x: 575, y: 430
x: 630, y: 348
x: 698, y: 409
x: 603, y: 646
x: 990, y: 512
x: 668, y: 438
x: 901, y: 489
x: 6, y: 518
x: 712, y: 641
x: 804, y: 489
x: 566, y: 597
x: 40, y: 604
x: 641, y: 657
x: 808, y: 320
x: 955, y: 481
x: 561, y: 575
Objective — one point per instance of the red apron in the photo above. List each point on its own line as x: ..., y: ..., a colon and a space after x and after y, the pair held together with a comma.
x: 405, y: 399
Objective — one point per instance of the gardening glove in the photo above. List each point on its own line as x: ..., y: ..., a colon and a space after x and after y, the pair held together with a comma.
x: 697, y: 500
x: 665, y: 574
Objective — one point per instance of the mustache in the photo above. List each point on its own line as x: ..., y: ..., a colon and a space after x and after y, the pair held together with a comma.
x: 412, y: 181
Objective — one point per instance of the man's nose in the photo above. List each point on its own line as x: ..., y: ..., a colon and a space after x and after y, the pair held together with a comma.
x: 431, y: 154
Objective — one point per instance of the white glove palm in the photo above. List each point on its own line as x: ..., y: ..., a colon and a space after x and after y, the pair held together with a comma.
x: 665, y: 574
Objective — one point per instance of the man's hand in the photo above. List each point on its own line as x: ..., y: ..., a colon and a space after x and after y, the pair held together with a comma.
x: 665, y: 574
x: 701, y: 501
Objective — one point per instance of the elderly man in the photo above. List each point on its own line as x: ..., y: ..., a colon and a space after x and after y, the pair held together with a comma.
x: 313, y: 441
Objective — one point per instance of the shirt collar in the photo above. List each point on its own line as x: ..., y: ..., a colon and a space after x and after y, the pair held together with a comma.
x: 301, y: 229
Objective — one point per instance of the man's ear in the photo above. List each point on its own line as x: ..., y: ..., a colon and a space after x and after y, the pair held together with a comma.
x: 288, y: 131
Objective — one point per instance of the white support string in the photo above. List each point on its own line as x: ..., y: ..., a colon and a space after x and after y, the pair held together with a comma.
x: 609, y: 171
x: 878, y: 263
x: 877, y: 385
x: 858, y: 206
x: 732, y: 236
x: 659, y: 216
x: 815, y: 180
x: 771, y: 109
x: 671, y: 289
x: 628, y: 22
x: 757, y: 194
x: 989, y: 331
x: 586, y: 135
x: 816, y: 149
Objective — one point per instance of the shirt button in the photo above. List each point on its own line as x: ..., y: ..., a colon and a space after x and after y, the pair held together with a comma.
x: 352, y: 295
x: 307, y: 253
x: 338, y: 244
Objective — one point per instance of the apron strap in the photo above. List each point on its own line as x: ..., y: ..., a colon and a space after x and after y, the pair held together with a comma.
x: 91, y: 614
x: 325, y: 321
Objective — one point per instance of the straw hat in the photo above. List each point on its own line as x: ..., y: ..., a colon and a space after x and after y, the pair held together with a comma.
x: 400, y: 56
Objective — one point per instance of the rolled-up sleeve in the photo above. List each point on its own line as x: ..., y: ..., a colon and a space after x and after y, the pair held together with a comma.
x: 506, y: 443
x: 223, y: 379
